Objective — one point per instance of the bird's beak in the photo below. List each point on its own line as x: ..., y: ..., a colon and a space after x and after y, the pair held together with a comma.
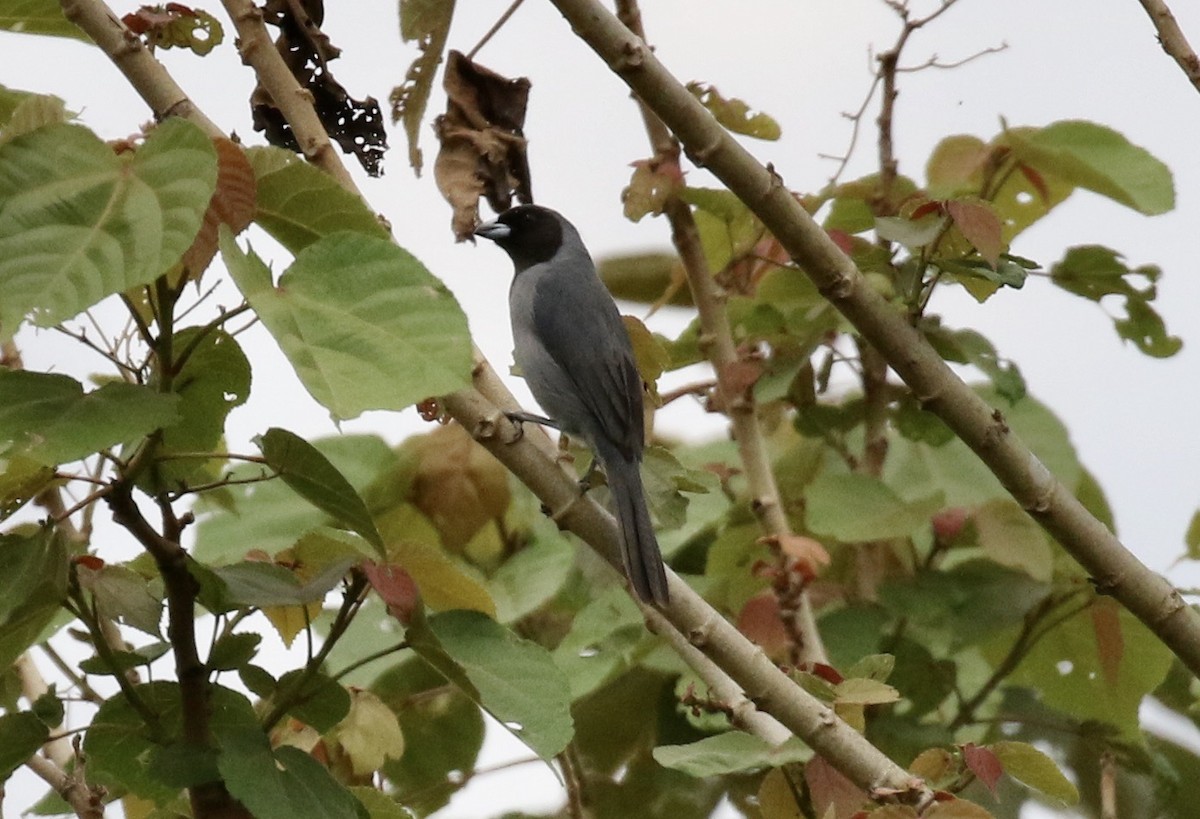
x: 493, y: 230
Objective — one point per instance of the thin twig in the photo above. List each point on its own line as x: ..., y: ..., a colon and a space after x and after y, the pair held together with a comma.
x: 87, y: 803
x: 491, y: 32
x: 934, y: 62
x: 1172, y: 39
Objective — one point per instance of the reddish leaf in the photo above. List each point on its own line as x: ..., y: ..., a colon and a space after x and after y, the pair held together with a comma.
x: 980, y: 224
x: 925, y: 209
x: 806, y: 554
x: 948, y: 523
x: 842, y: 239
x: 395, y: 587
x: 1110, y: 642
x: 1036, y: 180
x: 232, y: 204
x: 827, y: 673
x: 762, y: 623
x: 90, y: 562
x: 829, y: 788
x: 984, y: 764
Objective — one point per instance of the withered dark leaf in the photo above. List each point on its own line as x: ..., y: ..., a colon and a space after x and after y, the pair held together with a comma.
x: 482, y: 142
x: 356, y: 125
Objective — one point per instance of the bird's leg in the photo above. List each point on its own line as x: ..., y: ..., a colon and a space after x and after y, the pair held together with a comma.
x: 585, y: 483
x: 520, y: 417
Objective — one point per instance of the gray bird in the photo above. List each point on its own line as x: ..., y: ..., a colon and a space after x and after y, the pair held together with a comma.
x: 576, y: 357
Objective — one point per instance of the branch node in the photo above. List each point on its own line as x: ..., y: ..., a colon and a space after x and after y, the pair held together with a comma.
x: 631, y: 57
x: 840, y: 288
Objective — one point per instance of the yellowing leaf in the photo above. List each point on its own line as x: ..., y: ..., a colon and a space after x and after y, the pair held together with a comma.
x: 412, y: 543
x: 777, y: 797
x: 1011, y: 538
x: 1028, y: 765
x: 458, y: 484
x: 370, y: 733
x: 291, y: 620
x: 956, y: 166
x: 735, y: 114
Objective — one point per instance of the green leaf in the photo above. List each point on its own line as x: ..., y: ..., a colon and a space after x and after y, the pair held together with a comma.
x: 445, y: 582
x: 233, y: 651
x: 282, y: 784
x: 1192, y: 537
x: 49, y: 708
x: 267, y: 584
x: 439, y: 720
x: 1093, y: 271
x: 1011, y: 538
x: 728, y: 229
x: 1026, y: 764
x: 32, y: 586
x: 122, y: 752
x: 956, y: 166
x: 322, y: 702
x: 20, y: 737
x: 606, y: 639
x: 861, y: 691
x: 1099, y: 159
x: 297, y: 203
x: 970, y: 347
x: 214, y: 380
x: 38, y: 17
x: 854, y: 508
x: 961, y: 606
x: 33, y: 111
x: 123, y: 595
x: 917, y: 424
x: 270, y: 516
x: 728, y: 753
x: 379, y: 805
x: 530, y: 578
x: 514, y: 680
x: 47, y: 417
x: 10, y: 100
x: 121, y: 661
x: 1066, y: 668
x: 78, y: 222
x: 21, y: 480
x: 363, y: 323
x: 317, y: 480
x: 665, y: 482
x: 644, y: 277
x: 735, y: 114
x: 916, y: 470
x: 909, y: 232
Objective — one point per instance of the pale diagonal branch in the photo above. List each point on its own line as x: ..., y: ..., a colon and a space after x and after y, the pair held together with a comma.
x: 1113, y: 568
x: 1172, y: 39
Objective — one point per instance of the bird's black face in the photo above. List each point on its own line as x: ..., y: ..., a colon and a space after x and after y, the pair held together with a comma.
x: 530, y: 234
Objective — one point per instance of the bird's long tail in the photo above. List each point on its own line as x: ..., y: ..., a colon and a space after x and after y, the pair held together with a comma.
x: 639, y: 546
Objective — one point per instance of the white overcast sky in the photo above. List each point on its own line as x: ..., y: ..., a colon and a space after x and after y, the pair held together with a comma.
x: 1133, y: 419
